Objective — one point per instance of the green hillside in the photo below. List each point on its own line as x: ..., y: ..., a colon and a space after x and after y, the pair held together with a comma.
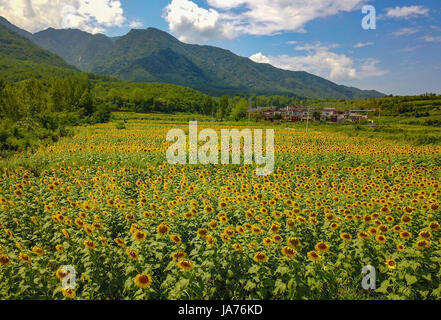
x: 20, y: 58
x: 78, y: 48
x: 15, y: 29
x: 152, y: 55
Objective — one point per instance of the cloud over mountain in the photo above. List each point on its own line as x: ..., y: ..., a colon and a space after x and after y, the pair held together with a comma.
x: 319, y: 59
x: 91, y: 16
x: 231, y: 18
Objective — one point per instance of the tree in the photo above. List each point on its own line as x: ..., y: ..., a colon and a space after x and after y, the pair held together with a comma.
x: 2, y: 94
x: 240, y: 110
x: 223, y: 107
x: 207, y: 105
x: 86, y: 102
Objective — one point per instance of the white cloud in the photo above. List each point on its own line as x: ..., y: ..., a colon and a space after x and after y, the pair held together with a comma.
x: 406, y: 12
x: 195, y: 24
x: 136, y: 24
x: 89, y: 15
x: 429, y: 38
x: 405, y: 31
x: 363, y: 44
x: 319, y: 60
x: 410, y: 49
x: 231, y: 18
x: 260, y: 58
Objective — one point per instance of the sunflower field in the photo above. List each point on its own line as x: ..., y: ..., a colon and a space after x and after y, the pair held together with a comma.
x: 107, y: 203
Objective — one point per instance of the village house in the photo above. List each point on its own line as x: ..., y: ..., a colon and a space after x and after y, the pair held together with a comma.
x: 295, y: 113
x: 358, y: 115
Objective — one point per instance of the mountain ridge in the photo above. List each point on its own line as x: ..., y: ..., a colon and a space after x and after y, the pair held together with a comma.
x: 20, y: 58
x: 153, y: 55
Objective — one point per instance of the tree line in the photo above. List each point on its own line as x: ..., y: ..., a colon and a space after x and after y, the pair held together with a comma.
x: 34, y: 110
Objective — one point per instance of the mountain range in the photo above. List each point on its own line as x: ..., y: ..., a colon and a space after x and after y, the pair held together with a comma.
x: 152, y: 55
x: 21, y: 58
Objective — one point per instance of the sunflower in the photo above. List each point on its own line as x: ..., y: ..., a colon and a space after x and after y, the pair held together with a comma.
x: 225, y: 238
x: 391, y: 264
x: 275, y: 228
x: 363, y: 235
x: 38, y: 251
x: 120, y: 242
x: 313, y: 256
x: 256, y: 230
x: 139, y: 236
x: 385, y: 210
x: 185, y: 265
x: 65, y: 233
x: 132, y: 254
x: 202, y: 233
x: 104, y: 241
x: 240, y: 230
x: 34, y: 220
x: 230, y: 231
x: 79, y: 222
x: 178, y: 255
x: 68, y: 293
x: 89, y: 244
x: 267, y: 241
x: 289, y: 252
x: 367, y: 218
x: 277, y: 238
x: 381, y: 239
x: 400, y: 247
x: 143, y: 280
x: 322, y: 247
x: 434, y: 226
x: 163, y: 229
x: 252, y: 245
x: 290, y: 223
x: 4, y: 260
x: 61, y: 274
x: 334, y: 226
x: 426, y: 235
x: 18, y: 245
x: 237, y: 247
x: 59, y: 248
x: 213, y: 225
x: 293, y: 242
x: 423, y: 244
x: 210, y: 240
x: 345, y: 236
x: 260, y: 257
x: 176, y: 239
x: 405, y: 235
x: 88, y: 229
x: 24, y: 257
x: 406, y: 219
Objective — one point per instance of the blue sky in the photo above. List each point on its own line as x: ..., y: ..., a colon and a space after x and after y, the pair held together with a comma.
x: 401, y: 56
